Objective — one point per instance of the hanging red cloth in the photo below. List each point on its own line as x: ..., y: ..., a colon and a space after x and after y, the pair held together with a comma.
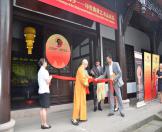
x: 66, y: 78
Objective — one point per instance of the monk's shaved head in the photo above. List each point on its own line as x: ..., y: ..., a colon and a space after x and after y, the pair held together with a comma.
x: 85, y: 63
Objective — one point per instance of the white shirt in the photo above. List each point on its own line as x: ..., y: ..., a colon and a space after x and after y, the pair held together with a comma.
x: 111, y: 69
x: 43, y: 76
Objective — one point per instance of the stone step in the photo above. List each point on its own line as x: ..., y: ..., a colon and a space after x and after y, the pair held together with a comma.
x: 152, y: 126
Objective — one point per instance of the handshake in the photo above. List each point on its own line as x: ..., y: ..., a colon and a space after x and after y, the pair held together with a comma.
x: 112, y: 78
x: 100, y: 78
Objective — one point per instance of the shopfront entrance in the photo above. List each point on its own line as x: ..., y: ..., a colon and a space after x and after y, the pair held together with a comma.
x: 24, y: 86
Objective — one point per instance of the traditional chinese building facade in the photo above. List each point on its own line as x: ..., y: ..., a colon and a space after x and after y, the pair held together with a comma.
x: 93, y: 30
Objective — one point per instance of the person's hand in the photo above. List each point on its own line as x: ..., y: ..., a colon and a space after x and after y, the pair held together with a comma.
x: 92, y: 73
x: 86, y: 84
x: 96, y: 79
x: 113, y: 80
x: 90, y: 77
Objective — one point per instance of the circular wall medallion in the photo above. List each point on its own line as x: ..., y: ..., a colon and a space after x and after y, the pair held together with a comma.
x: 58, y: 51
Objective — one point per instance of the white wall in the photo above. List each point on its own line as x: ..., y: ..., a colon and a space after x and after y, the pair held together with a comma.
x: 133, y: 37
x: 107, y: 32
x: 140, y: 41
x: 137, y: 39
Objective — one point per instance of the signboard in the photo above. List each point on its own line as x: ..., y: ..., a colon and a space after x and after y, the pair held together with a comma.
x: 155, y: 67
x: 58, y: 51
x: 87, y: 9
x: 139, y: 76
x: 147, y: 76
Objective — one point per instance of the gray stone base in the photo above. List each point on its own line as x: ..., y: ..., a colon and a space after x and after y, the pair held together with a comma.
x: 7, y: 127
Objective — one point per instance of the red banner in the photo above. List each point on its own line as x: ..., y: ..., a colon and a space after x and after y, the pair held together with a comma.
x: 147, y: 76
x: 87, y: 9
x: 155, y: 67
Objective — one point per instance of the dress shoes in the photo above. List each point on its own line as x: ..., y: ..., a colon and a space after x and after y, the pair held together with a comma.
x: 75, y: 122
x: 122, y: 114
x: 95, y: 109
x: 110, y: 114
x: 45, y: 127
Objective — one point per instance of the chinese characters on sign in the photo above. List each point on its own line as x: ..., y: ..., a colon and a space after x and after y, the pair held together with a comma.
x: 87, y: 9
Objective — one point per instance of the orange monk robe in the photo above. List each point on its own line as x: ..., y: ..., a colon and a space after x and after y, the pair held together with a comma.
x: 79, y: 106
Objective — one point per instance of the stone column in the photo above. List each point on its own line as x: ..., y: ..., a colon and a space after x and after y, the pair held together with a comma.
x: 6, y: 124
x: 120, y: 42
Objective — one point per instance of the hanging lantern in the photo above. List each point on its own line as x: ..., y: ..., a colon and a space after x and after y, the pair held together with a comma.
x: 30, y: 34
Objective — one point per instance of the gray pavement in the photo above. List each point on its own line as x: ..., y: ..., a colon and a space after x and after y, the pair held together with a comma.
x: 97, y: 121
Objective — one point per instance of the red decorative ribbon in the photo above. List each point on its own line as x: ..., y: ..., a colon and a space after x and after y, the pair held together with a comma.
x: 90, y: 80
x: 64, y: 78
x: 110, y: 81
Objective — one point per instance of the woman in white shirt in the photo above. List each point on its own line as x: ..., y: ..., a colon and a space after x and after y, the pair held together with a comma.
x: 44, y: 80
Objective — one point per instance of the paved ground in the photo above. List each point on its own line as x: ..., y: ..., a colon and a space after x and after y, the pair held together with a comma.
x: 97, y: 121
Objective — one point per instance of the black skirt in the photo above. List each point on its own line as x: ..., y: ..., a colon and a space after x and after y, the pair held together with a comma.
x: 44, y: 100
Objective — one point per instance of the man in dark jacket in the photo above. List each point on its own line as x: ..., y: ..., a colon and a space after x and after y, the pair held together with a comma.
x: 96, y: 71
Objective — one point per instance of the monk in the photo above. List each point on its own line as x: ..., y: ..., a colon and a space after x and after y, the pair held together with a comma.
x: 81, y: 84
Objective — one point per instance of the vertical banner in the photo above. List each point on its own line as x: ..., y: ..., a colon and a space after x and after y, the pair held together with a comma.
x: 139, y: 76
x: 155, y: 67
x: 147, y: 76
